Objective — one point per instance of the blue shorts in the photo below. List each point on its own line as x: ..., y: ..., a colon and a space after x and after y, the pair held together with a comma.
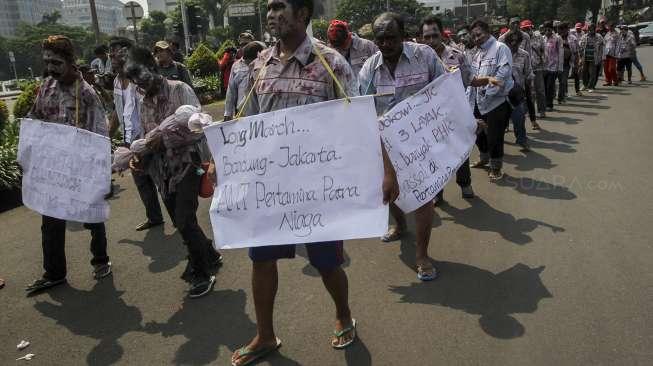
x: 324, y: 256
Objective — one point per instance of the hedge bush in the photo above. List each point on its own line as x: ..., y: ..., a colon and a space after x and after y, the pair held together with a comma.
x: 10, y: 173
x: 207, y: 88
x: 203, y: 62
x: 26, y: 100
x: 223, y: 48
x: 4, y: 115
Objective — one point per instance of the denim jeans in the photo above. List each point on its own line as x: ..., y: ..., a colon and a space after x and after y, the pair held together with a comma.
x: 550, y: 87
x: 563, y: 81
x: 518, y: 118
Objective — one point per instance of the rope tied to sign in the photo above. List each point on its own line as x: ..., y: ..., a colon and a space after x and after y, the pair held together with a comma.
x: 331, y: 72
x: 326, y: 65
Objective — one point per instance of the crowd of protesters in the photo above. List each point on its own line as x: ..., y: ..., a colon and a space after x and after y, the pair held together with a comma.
x: 516, y: 73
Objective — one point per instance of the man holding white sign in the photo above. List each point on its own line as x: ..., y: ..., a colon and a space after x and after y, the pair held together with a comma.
x: 295, y: 72
x: 67, y: 99
x: 399, y: 70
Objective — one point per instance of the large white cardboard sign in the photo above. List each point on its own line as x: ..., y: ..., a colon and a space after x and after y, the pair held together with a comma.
x: 66, y: 171
x: 428, y: 137
x: 299, y: 175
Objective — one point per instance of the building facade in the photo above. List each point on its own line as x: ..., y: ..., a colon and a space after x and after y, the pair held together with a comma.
x: 14, y: 12
x: 109, y: 14
x: 440, y: 6
x: 162, y: 5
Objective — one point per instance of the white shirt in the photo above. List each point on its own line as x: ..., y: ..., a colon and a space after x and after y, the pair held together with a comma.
x: 127, y: 102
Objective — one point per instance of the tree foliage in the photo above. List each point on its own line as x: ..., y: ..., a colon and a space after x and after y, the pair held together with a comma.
x: 153, y: 29
x: 27, y: 45
x: 203, y: 62
x: 361, y: 12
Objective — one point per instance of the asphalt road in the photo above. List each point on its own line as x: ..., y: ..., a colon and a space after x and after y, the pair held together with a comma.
x: 550, y: 267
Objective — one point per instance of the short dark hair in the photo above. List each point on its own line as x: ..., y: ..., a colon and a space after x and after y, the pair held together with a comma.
x: 429, y: 20
x: 479, y: 23
x: 514, y: 36
x: 143, y: 56
x: 251, y: 50
x: 548, y: 24
x: 563, y: 25
x: 60, y: 45
x: 120, y: 42
x: 393, y: 17
x: 100, y: 50
x: 298, y: 4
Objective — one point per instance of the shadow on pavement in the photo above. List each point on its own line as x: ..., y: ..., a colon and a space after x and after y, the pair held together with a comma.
x: 537, y: 188
x: 208, y: 323
x: 574, y: 105
x: 99, y: 313
x: 165, y: 251
x: 554, y: 136
x: 532, y: 160
x: 584, y: 113
x: 357, y: 354
x: 495, y: 297
x: 555, y: 146
x: 483, y: 217
x: 567, y: 120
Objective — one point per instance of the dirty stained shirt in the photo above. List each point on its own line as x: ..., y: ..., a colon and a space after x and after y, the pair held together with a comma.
x: 170, y: 166
x: 360, y: 50
x: 56, y: 103
x: 301, y: 80
x: 455, y: 59
x: 238, y: 87
x: 418, y: 65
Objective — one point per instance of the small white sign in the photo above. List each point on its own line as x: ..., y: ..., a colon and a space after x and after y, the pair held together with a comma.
x: 428, y: 137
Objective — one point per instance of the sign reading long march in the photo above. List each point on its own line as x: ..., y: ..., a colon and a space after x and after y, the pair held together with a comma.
x: 66, y: 171
x: 428, y: 137
x: 299, y: 175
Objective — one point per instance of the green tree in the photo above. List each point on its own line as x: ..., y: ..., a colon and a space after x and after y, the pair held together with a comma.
x: 27, y: 44
x: 361, y: 12
x: 320, y: 27
x: 50, y: 18
x: 153, y: 28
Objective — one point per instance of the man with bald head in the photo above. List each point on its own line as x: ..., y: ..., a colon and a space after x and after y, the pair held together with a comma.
x: 399, y: 70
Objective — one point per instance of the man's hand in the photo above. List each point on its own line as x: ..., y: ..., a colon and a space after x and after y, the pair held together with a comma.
x: 135, y: 164
x: 390, y: 187
x: 482, y: 125
x: 210, y: 172
x: 494, y: 81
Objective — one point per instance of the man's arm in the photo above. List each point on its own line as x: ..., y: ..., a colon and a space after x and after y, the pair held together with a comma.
x: 184, y: 74
x: 561, y: 55
x: 366, y: 76
x: 504, y: 72
x: 231, y: 99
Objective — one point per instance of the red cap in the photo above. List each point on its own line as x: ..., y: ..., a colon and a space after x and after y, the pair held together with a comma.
x: 503, y: 30
x: 526, y: 24
x: 579, y: 25
x: 447, y: 33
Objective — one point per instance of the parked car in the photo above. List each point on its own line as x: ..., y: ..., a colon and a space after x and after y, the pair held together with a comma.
x: 646, y: 35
